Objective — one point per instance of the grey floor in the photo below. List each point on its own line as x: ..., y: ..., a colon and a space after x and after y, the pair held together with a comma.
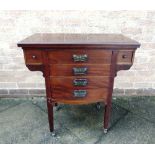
x: 25, y: 121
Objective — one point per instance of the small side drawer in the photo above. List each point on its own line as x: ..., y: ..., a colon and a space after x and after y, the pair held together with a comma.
x: 33, y: 56
x: 124, y: 57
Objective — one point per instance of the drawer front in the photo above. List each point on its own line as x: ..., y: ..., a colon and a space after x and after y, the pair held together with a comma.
x: 79, y: 82
x: 80, y: 70
x: 80, y: 56
x: 79, y: 96
x: 33, y: 56
x: 124, y: 57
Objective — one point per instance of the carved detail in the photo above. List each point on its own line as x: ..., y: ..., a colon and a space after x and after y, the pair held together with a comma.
x: 36, y: 68
x: 123, y: 67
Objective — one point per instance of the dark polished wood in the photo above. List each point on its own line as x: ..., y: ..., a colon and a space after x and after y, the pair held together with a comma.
x: 93, y: 82
x: 33, y: 57
x: 68, y: 41
x: 93, y: 56
x: 125, y: 57
x: 92, y: 96
x: 79, y: 68
x: 92, y: 69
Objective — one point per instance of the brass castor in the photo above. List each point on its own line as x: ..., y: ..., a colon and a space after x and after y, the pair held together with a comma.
x: 53, y: 134
x: 105, y: 131
x: 58, y: 107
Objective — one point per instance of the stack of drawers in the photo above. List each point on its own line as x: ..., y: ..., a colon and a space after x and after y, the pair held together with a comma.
x: 79, y: 76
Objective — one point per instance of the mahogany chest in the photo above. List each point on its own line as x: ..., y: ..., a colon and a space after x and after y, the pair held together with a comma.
x: 78, y: 68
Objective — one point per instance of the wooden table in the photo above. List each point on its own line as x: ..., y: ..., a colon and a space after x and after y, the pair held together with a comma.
x: 78, y: 68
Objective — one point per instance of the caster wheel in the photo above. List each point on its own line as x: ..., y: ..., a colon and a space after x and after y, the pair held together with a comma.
x: 105, y: 131
x: 58, y: 107
x: 53, y: 134
x: 98, y: 106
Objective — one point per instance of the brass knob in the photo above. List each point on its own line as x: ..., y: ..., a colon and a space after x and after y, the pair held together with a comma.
x: 124, y: 56
x: 34, y: 56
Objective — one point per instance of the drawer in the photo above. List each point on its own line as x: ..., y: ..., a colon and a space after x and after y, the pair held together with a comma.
x: 79, y: 70
x: 124, y: 57
x: 79, y: 56
x: 79, y: 96
x: 80, y: 82
x: 33, y: 56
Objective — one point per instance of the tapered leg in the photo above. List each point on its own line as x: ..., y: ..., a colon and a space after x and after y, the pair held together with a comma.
x: 50, y: 114
x: 108, y: 106
x: 107, y: 114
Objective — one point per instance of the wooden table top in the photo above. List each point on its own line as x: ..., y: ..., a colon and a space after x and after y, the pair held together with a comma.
x: 60, y: 39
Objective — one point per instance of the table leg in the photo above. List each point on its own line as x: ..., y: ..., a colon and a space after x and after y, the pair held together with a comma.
x: 107, y: 113
x: 50, y: 114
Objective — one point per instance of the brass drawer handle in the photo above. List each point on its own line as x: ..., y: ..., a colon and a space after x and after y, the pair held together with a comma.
x: 80, y: 93
x: 80, y: 58
x: 80, y: 70
x: 80, y: 82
